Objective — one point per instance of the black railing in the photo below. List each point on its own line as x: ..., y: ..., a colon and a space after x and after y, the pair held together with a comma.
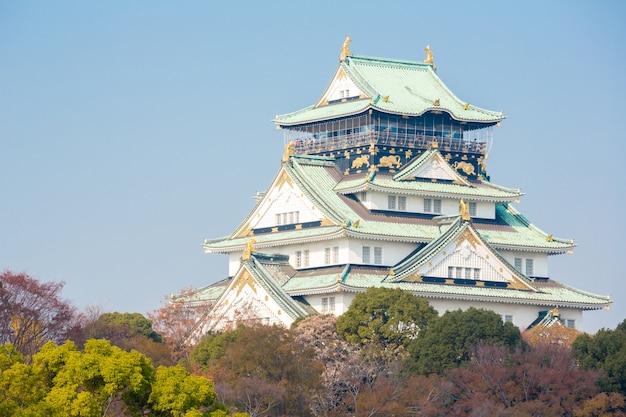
x: 313, y: 145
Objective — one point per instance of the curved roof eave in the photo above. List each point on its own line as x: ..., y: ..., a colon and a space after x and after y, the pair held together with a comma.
x: 280, y: 121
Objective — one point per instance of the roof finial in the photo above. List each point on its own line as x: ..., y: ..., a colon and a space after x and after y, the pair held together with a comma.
x: 344, y: 49
x: 465, y: 215
x: 289, y: 150
x: 429, y: 55
x: 249, y: 250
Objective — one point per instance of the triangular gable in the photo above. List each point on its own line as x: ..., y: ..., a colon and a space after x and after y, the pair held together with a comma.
x: 460, y: 256
x: 430, y: 165
x: 341, y: 88
x: 283, y: 203
x: 253, y: 294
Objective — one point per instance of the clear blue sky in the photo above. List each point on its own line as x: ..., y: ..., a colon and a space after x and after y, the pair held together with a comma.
x: 131, y: 131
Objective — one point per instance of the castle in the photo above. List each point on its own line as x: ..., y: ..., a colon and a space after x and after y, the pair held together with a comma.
x: 384, y: 183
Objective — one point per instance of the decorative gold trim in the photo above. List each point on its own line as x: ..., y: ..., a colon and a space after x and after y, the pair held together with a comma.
x: 465, y: 215
x: 245, y: 279
x: 345, y: 51
x: 249, y: 250
x: 429, y: 55
x: 469, y: 236
x: 289, y: 150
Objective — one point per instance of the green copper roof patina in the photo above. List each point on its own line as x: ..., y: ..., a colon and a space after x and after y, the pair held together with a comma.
x: 392, y: 86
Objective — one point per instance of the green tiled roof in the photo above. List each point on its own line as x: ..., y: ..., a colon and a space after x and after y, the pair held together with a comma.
x: 550, y: 293
x: 409, y: 88
x: 382, y: 182
x: 319, y: 183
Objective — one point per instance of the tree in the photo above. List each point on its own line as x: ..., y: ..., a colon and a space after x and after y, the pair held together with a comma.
x: 130, y: 331
x: 176, y: 322
x: 33, y: 313
x: 606, y: 350
x: 505, y: 381
x: 390, y: 317
x: 261, y: 370
x: 175, y: 392
x: 88, y: 384
x: 446, y: 342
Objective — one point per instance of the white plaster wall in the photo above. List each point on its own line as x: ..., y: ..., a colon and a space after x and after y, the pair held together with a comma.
x: 285, y: 199
x: 234, y: 262
x: 485, y: 210
x: 393, y: 252
x: 342, y: 301
x: 415, y: 204
x: 523, y: 315
x: 540, y: 261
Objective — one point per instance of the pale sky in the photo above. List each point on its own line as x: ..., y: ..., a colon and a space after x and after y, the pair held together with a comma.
x: 131, y: 131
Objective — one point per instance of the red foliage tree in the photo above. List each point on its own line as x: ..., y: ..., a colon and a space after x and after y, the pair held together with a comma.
x: 33, y: 313
x: 177, y: 323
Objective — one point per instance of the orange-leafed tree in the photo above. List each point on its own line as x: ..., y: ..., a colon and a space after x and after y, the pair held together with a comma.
x: 177, y: 320
x: 33, y: 312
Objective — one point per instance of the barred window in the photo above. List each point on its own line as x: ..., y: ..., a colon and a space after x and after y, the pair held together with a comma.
x: 437, y: 206
x: 378, y: 255
x: 402, y: 203
x: 366, y: 254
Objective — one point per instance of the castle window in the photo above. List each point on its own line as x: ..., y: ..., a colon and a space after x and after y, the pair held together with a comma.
x: 305, y: 261
x: 432, y: 206
x: 570, y: 323
x: 472, y: 208
x: 335, y: 254
x: 298, y: 259
x: 436, y: 206
x: 450, y: 272
x: 468, y: 273
x: 328, y: 304
x: 326, y: 256
x: 366, y: 254
x: 288, y: 218
x: 401, y: 203
x: 518, y: 264
x: 508, y: 318
x: 476, y: 274
x: 529, y: 267
x: 391, y: 202
x: 378, y: 255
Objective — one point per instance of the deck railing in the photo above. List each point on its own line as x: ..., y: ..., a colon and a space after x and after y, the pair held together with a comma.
x: 320, y: 145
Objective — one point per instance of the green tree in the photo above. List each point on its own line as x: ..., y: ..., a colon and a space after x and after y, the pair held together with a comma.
x: 130, y: 331
x: 21, y: 389
x: 606, y: 350
x: 446, y: 342
x: 385, y: 316
x: 211, y: 348
x: 88, y: 384
x: 116, y: 327
x: 176, y: 393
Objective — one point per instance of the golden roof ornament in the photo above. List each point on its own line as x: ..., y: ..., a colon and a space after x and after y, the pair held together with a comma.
x: 249, y: 250
x: 429, y: 55
x: 344, y: 49
x: 288, y: 151
x: 464, y: 210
